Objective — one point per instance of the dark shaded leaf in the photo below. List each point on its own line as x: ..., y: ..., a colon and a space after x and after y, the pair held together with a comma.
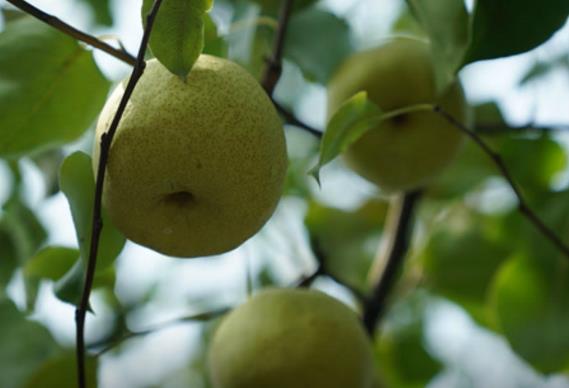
x: 25, y: 346
x: 61, y: 371
x: 317, y: 41
x: 500, y: 29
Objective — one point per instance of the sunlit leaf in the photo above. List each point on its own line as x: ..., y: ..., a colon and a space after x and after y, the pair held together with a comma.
x: 462, y: 255
x: 177, y: 38
x: 50, y: 87
x: 354, y: 118
x: 500, y: 29
x: 530, y: 304
x: 447, y: 25
x: 317, y: 41
x: 25, y: 346
x: 78, y: 184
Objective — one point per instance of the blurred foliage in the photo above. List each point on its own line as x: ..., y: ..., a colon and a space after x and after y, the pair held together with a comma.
x: 472, y: 247
x: 44, y: 76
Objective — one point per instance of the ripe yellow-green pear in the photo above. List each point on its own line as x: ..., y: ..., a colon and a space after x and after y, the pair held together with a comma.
x: 291, y: 338
x: 196, y: 166
x: 407, y: 151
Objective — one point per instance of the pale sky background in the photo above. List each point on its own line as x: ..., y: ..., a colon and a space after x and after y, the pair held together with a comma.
x: 476, y: 358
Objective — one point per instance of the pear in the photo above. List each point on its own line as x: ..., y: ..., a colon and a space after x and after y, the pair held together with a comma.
x: 291, y: 338
x: 197, y: 165
x: 407, y: 151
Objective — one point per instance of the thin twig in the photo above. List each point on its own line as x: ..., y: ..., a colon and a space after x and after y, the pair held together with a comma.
x: 291, y: 119
x: 523, y: 207
x: 177, y: 321
x: 274, y: 62
x: 73, y: 32
x: 400, y: 227
x: 502, y: 128
x: 97, y: 226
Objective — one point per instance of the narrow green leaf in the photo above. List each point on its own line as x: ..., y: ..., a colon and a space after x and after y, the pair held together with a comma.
x: 447, y: 25
x: 317, y: 41
x: 354, y: 118
x: 214, y: 43
x: 22, y: 225
x: 25, y: 346
x: 70, y: 287
x: 78, y: 184
x: 49, y: 263
x: 500, y: 28
x: 61, y: 371
x: 177, y: 39
x: 50, y: 88
x: 531, y: 308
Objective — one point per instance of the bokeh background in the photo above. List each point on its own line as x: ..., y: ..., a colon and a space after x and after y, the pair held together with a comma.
x: 437, y: 332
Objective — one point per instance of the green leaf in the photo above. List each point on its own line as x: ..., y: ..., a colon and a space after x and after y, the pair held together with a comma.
x: 102, y: 11
x: 25, y: 346
x: 50, y: 263
x: 50, y: 88
x: 348, y: 240
x: 78, y: 184
x: 463, y: 253
x: 354, y: 118
x: 541, y: 69
x: 70, y: 287
x: 446, y: 23
x: 402, y: 358
x: 317, y: 41
x: 177, y: 38
x: 214, y: 44
x: 61, y: 372
x: 536, y: 173
x: 23, y: 227
x: 48, y: 163
x: 530, y: 304
x: 500, y: 28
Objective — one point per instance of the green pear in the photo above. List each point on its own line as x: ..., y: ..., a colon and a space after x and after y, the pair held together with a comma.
x: 291, y: 338
x: 407, y: 151
x: 196, y: 166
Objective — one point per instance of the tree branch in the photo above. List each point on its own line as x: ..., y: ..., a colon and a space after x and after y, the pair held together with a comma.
x: 503, y: 128
x: 55, y: 22
x: 274, y: 62
x: 108, y: 345
x: 291, y: 119
x: 106, y: 140
x: 523, y: 207
x: 400, y: 227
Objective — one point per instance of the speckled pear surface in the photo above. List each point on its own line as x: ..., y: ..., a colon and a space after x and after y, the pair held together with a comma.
x: 196, y: 167
x: 291, y: 338
x: 405, y: 152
